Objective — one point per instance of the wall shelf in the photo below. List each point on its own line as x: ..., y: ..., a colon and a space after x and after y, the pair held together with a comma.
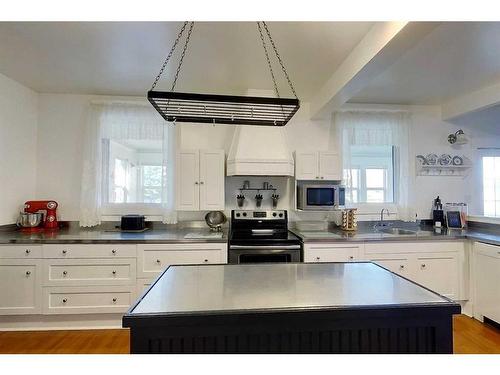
x: 442, y: 170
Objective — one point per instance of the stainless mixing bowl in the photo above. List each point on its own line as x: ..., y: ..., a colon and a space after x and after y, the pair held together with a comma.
x: 27, y: 220
x: 215, y: 219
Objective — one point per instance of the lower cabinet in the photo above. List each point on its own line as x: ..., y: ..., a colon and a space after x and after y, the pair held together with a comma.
x: 20, y: 286
x: 319, y: 253
x: 487, y: 281
x: 438, y: 272
x: 398, y: 264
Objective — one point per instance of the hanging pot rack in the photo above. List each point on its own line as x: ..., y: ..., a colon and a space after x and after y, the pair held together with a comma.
x: 223, y: 109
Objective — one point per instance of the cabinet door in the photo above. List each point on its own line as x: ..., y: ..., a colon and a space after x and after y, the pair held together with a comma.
x: 212, y: 180
x: 438, y: 272
x: 331, y: 253
x: 188, y: 173
x: 329, y: 166
x: 398, y: 265
x: 20, y: 287
x: 487, y: 281
x: 306, y: 166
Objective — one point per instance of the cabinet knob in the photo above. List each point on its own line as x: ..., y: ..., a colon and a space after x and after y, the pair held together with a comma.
x: 317, y: 258
x: 201, y: 182
x: 401, y: 267
x: 114, y: 272
x: 317, y: 177
x: 28, y: 273
x: 65, y: 300
x: 322, y: 177
x: 423, y: 265
x: 206, y: 260
x: 113, y: 251
x: 65, y: 273
x: 196, y: 182
x: 158, y: 261
x: 351, y: 257
x: 64, y: 251
x: 114, y: 300
x: 27, y: 251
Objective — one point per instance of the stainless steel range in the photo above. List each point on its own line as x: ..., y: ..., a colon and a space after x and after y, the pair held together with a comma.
x: 262, y: 237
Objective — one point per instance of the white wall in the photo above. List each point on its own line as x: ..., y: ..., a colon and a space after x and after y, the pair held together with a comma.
x: 18, y: 131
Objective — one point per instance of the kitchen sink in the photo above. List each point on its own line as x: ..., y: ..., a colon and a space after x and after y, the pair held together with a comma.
x: 398, y: 231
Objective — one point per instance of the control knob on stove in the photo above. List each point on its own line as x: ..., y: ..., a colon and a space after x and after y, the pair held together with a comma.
x: 281, y: 214
x: 237, y: 214
x: 244, y: 214
x: 274, y: 214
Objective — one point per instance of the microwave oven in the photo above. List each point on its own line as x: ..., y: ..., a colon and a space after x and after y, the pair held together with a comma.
x: 320, y: 197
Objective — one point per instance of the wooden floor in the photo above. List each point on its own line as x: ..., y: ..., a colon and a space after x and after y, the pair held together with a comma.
x: 470, y: 337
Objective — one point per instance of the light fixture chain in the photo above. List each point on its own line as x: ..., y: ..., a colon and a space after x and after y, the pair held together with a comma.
x: 182, y: 56
x: 268, y: 60
x: 279, y: 59
x: 169, y: 55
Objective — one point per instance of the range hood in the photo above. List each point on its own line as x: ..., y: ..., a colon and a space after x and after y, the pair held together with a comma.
x: 259, y: 151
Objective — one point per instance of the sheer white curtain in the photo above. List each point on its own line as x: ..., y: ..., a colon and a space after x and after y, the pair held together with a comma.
x: 124, y: 122
x: 378, y: 128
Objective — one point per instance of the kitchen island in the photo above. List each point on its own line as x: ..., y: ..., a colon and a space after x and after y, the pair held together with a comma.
x: 289, y: 308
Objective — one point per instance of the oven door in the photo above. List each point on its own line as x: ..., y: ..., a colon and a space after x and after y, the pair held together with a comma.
x: 241, y: 254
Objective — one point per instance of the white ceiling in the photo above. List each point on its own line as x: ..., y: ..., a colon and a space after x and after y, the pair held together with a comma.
x: 454, y: 59
x: 122, y: 58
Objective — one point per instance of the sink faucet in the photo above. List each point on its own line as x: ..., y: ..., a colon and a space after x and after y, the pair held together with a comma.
x: 382, y: 215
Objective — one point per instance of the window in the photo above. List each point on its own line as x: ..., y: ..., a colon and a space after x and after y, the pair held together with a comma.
x: 135, y: 171
x: 491, y: 186
x: 370, y: 178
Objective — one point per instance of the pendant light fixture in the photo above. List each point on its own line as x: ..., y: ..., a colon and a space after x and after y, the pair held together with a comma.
x: 224, y: 109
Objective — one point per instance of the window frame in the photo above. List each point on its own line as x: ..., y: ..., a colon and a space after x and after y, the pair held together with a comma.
x: 482, y: 154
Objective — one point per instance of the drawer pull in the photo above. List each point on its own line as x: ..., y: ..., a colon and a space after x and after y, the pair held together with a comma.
x: 158, y: 261
x: 114, y: 300
x: 27, y: 251
x: 65, y: 300
x: 113, y: 251
x: 28, y: 273
x: 351, y: 257
x: 65, y: 273
x: 317, y: 258
x: 423, y: 265
x: 65, y: 251
x: 401, y: 267
x: 114, y: 273
x: 206, y: 260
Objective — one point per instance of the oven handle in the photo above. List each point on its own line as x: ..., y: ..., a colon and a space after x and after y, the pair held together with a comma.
x: 265, y: 247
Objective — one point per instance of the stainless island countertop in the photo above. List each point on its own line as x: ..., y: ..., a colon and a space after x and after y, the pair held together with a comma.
x: 257, y: 287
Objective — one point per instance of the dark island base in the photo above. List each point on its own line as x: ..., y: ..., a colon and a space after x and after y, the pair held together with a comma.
x: 363, y: 330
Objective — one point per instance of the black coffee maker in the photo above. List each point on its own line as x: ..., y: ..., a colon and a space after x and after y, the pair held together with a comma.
x: 438, y: 213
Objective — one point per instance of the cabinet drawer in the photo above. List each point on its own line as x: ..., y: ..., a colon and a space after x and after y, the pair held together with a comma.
x: 81, y: 272
x: 152, y: 259
x: 20, y: 251
x: 89, y: 251
x: 400, y: 266
x: 413, y: 247
x: 332, y: 252
x: 155, y: 261
x: 20, y: 286
x: 83, y: 300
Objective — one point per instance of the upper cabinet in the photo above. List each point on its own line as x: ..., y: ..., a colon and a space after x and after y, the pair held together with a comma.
x: 200, y: 180
x: 322, y: 165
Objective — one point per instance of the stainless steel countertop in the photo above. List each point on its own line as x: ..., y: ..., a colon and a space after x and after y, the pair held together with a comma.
x: 99, y: 236
x: 225, y: 288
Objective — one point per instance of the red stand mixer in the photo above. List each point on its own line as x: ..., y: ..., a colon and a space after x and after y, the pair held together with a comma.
x: 48, y: 211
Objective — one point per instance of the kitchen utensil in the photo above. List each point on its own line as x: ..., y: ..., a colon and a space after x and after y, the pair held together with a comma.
x: 431, y: 159
x: 258, y: 200
x: 444, y: 159
x: 274, y: 200
x: 29, y: 220
x: 349, y: 219
x: 133, y: 222
x: 457, y: 160
x: 240, y: 199
x: 215, y: 219
x: 265, y: 185
x: 422, y: 159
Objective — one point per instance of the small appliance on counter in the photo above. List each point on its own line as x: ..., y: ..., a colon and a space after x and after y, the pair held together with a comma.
x: 215, y: 220
x: 133, y: 223
x: 349, y: 219
x: 438, y: 218
x: 38, y: 216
